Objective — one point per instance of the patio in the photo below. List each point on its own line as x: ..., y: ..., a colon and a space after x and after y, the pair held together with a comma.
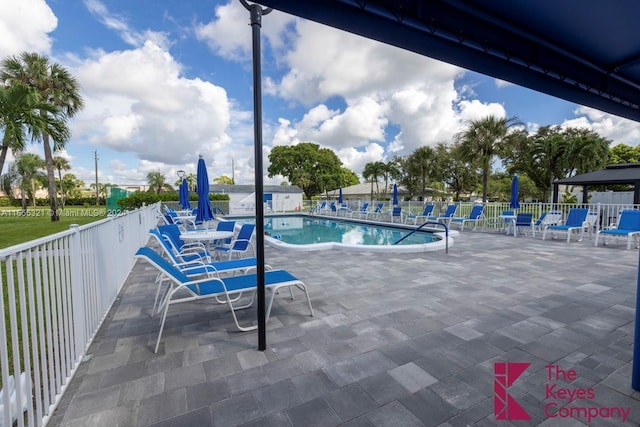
x: 397, y: 340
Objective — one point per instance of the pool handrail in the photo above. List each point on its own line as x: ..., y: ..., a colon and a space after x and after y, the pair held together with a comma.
x: 446, y: 233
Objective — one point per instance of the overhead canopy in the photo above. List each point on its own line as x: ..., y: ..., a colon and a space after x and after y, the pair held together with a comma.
x: 628, y: 173
x: 584, y: 51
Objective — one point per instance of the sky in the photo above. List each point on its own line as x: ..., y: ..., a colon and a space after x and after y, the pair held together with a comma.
x: 165, y: 81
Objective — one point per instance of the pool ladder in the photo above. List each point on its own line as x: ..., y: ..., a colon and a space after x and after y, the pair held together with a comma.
x: 446, y: 233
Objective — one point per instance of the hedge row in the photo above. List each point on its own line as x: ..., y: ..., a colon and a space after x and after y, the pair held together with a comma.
x: 135, y: 200
x: 74, y: 201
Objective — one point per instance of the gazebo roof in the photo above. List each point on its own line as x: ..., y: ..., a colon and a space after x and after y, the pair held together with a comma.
x: 627, y: 173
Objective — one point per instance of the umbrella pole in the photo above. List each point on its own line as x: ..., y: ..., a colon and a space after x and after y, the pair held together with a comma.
x: 256, y: 13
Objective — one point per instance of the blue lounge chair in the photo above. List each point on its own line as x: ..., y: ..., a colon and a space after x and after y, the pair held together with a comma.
x: 575, y: 222
x: 241, y: 244
x: 322, y: 207
x: 183, y: 255
x: 225, y: 226
x: 362, y: 211
x: 524, y: 221
x: 475, y: 216
x: 424, y: 216
x: 196, y: 267
x: 547, y: 219
x: 333, y: 208
x: 185, y: 289
x: 448, y: 214
x: 377, y: 211
x: 172, y: 232
x: 396, y: 212
x: 628, y: 226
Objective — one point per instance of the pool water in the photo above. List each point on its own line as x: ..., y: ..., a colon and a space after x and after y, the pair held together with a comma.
x: 298, y: 230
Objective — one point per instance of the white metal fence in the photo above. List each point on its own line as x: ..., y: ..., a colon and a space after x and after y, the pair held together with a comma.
x: 607, y: 213
x: 56, y: 291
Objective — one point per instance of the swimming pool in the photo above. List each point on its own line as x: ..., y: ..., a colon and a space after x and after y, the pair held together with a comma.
x: 310, y: 233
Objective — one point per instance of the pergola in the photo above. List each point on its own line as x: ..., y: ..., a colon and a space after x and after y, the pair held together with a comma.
x: 627, y: 173
x: 584, y: 51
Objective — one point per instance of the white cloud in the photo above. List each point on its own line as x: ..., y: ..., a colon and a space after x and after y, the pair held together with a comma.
x: 326, y: 62
x: 502, y: 83
x: 137, y: 101
x: 122, y: 28
x: 228, y: 38
x: 615, y: 128
x: 25, y: 26
x: 380, y: 85
x: 474, y: 110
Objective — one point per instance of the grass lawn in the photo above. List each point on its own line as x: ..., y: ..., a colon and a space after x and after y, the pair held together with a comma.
x: 15, y: 228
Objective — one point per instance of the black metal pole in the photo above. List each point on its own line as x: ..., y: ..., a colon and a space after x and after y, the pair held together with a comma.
x: 256, y: 13
x: 635, y: 372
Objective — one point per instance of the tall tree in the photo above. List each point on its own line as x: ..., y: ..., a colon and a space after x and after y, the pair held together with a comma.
x: 404, y: 177
x: 422, y: 164
x: 157, y: 182
x: 554, y: 153
x: 457, y: 173
x: 222, y: 179
x: 390, y: 172
x: 28, y: 168
x: 587, y: 151
x: 73, y: 186
x: 371, y: 172
x: 623, y: 153
x: 56, y: 87
x: 305, y: 165
x: 21, y: 119
x: 484, y: 139
x: 103, y: 189
x: 60, y: 164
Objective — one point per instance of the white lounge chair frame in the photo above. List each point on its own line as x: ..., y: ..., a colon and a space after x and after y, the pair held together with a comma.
x: 185, y: 289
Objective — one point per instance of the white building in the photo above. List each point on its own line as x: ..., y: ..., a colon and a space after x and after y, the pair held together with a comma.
x: 277, y: 198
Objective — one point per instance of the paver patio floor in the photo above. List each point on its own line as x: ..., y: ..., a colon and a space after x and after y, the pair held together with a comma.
x: 397, y: 340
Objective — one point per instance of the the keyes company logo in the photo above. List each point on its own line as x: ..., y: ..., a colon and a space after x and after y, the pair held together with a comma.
x: 560, y: 401
x: 505, y: 406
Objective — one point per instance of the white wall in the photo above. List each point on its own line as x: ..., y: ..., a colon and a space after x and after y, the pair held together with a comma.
x: 609, y: 197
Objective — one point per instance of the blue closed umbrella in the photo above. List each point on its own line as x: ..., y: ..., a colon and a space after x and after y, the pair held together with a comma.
x: 395, y: 194
x: 184, y: 194
x: 515, y: 188
x: 340, y: 195
x: 202, y: 180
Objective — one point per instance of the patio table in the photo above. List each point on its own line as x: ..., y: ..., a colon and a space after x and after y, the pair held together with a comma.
x: 205, y: 235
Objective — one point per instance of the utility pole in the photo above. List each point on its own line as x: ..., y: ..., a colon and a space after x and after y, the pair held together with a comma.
x: 233, y: 172
x: 95, y: 157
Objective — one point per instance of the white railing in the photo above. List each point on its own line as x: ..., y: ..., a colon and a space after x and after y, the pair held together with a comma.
x: 607, y: 213
x: 56, y: 292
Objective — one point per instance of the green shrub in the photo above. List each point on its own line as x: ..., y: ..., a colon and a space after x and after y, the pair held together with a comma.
x: 135, y: 200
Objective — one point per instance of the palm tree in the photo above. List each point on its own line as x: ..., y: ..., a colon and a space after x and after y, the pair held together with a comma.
x: 20, y: 117
x: 157, y: 182
x: 192, y: 180
x: 222, y: 179
x: 422, y: 164
x: 103, y: 189
x: 26, y: 170
x: 483, y: 140
x: 371, y: 172
x: 56, y: 87
x: 60, y: 163
x: 390, y: 171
